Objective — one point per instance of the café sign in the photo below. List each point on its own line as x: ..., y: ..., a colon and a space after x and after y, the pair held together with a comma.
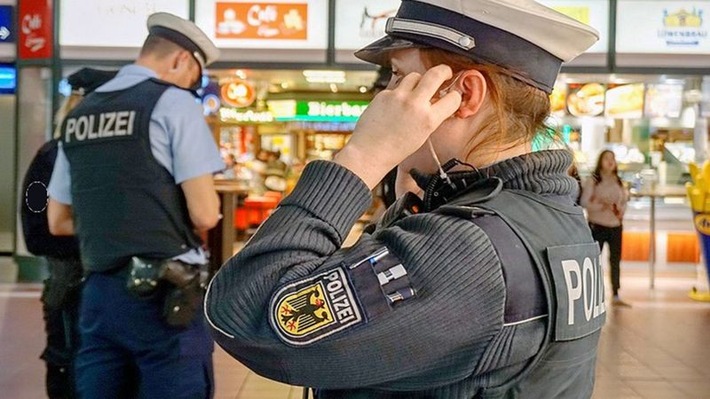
x: 238, y: 93
x: 261, y: 21
x: 277, y: 24
x: 35, y: 34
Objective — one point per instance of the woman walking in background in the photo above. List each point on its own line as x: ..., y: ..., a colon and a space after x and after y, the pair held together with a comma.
x: 605, y: 197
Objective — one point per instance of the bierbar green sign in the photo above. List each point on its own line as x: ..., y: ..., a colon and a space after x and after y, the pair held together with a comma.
x: 318, y: 111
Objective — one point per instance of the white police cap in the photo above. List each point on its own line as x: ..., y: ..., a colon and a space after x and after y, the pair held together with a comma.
x: 524, y: 37
x: 185, y: 34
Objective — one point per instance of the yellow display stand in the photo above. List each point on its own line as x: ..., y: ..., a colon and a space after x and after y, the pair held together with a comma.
x: 700, y: 296
x: 699, y: 195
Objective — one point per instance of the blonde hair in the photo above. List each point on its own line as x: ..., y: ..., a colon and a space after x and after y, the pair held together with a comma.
x: 67, y: 106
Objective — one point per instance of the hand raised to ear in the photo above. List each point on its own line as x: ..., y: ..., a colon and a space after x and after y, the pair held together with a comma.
x: 397, y: 122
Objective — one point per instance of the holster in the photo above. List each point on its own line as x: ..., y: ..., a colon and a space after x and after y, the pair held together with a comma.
x: 181, y: 284
x: 63, y: 286
x: 184, y: 299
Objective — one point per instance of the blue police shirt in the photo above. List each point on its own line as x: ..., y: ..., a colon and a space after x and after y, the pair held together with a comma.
x: 180, y: 140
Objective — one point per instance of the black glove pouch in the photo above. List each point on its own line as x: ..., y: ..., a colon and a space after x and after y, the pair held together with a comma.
x: 143, y: 276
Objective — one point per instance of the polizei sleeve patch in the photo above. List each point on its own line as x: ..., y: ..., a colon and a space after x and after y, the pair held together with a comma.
x: 311, y: 309
x: 579, y: 289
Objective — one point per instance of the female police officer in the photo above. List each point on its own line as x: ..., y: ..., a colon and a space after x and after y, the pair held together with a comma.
x: 488, y: 284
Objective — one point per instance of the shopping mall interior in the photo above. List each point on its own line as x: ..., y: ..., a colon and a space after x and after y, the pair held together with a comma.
x: 275, y: 104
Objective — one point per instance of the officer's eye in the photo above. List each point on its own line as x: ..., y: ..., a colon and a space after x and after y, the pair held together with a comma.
x: 395, y: 79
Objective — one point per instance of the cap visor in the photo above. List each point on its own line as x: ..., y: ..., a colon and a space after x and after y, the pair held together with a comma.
x: 378, y: 52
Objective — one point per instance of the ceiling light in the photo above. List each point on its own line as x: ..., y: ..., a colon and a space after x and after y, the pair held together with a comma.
x: 333, y: 87
x: 363, y: 89
x: 324, y: 76
x: 240, y: 74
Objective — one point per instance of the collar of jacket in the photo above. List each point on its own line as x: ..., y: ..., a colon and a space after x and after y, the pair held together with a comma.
x: 542, y: 172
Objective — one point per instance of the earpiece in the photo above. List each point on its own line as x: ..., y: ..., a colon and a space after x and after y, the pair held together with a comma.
x: 446, y: 90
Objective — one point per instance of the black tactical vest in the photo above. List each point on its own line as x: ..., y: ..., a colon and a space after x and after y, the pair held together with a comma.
x: 554, y: 299
x: 124, y: 202
x: 559, y: 243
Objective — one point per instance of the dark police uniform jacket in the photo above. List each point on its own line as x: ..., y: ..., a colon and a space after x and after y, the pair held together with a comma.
x: 487, y: 293
x: 124, y: 202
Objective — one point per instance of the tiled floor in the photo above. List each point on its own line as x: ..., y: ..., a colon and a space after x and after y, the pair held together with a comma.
x: 657, y: 349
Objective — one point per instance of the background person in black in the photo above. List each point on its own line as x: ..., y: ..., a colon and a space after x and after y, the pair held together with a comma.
x: 605, y: 197
x: 60, y: 297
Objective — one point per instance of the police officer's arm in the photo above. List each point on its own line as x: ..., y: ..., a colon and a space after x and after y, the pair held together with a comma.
x: 60, y: 218
x: 192, y: 156
x: 434, y: 338
x: 295, y: 307
x: 202, y: 201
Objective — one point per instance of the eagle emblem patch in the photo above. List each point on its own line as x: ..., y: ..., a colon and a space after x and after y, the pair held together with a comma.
x: 311, y: 309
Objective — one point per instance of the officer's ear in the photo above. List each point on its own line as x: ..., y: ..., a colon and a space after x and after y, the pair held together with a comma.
x: 179, y: 60
x: 473, y: 88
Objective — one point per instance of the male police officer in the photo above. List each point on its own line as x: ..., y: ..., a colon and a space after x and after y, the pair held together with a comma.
x: 134, y: 180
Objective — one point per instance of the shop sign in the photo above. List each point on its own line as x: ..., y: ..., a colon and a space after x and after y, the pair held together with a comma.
x: 6, y: 24
x: 261, y: 21
x: 281, y: 24
x: 35, y: 29
x: 249, y: 116
x: 360, y: 22
x: 591, y: 12
x: 111, y: 23
x: 670, y: 27
x: 325, y: 110
x: 317, y: 111
x: 238, y: 93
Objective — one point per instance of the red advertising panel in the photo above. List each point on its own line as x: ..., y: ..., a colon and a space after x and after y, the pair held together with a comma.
x: 35, y: 29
